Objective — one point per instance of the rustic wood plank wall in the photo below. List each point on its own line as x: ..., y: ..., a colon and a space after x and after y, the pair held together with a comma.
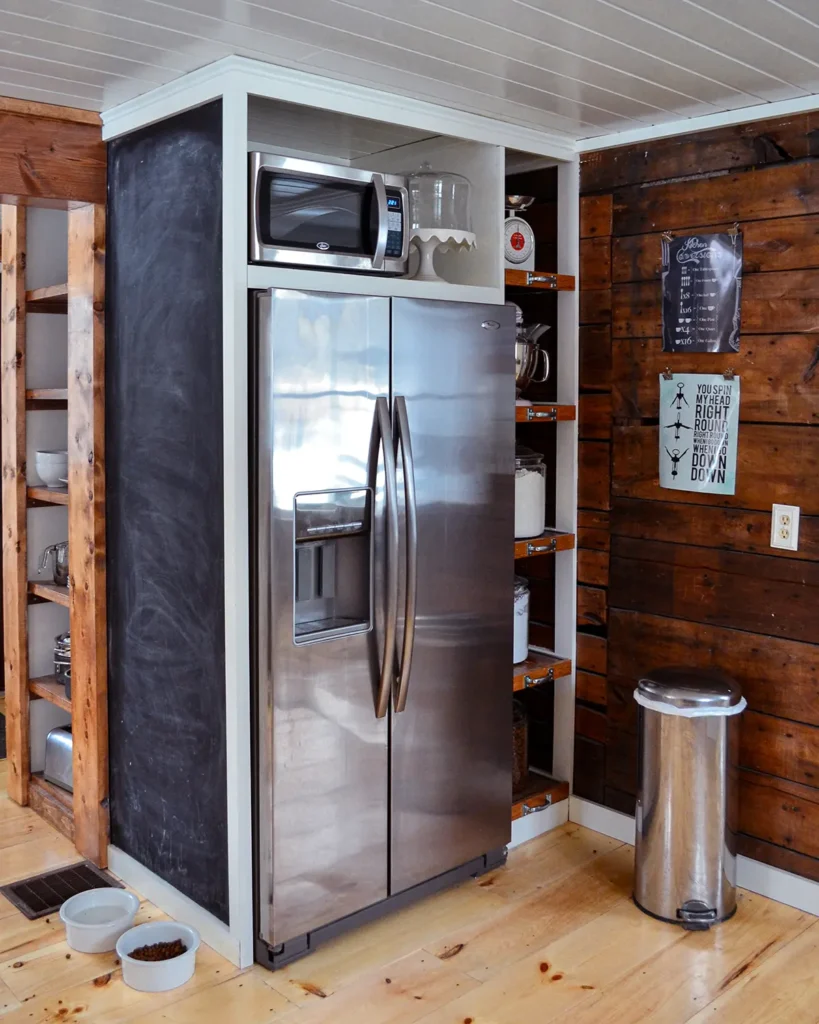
x: 669, y: 577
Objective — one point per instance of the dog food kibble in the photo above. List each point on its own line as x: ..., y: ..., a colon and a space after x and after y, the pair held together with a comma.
x: 160, y: 951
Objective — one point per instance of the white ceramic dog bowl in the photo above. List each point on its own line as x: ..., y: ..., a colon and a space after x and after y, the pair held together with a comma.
x: 158, y: 975
x: 95, y: 919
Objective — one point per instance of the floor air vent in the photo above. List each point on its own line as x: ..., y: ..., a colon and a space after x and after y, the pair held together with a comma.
x: 45, y: 894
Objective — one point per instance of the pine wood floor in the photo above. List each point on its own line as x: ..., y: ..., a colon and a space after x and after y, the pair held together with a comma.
x: 552, y: 937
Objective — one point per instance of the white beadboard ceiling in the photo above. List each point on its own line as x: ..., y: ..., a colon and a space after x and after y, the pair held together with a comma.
x: 577, y: 69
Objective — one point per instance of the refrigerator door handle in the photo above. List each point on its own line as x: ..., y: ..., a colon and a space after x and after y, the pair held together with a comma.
x: 382, y: 438
x: 404, y: 441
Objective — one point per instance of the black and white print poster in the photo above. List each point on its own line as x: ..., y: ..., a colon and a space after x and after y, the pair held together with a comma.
x: 702, y: 284
x: 699, y: 423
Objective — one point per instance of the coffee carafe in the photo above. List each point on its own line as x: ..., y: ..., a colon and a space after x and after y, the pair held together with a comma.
x: 60, y: 552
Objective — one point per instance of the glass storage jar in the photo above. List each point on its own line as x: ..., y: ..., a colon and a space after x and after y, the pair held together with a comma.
x: 439, y: 199
x: 530, y: 493
x: 521, y: 640
x: 520, y: 746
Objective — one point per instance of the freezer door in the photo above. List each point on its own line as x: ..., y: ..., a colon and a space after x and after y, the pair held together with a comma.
x: 322, y: 363
x: 451, y: 787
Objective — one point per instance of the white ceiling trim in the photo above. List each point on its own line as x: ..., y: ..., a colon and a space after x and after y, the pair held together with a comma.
x: 758, y: 112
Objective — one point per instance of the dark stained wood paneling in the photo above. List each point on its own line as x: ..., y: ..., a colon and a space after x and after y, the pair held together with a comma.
x: 52, y: 160
x: 788, y: 300
x: 590, y: 723
x: 593, y: 567
x: 594, y: 416
x: 787, y: 190
x: 590, y: 687
x: 595, y: 358
x: 590, y: 769
x: 774, y: 464
x: 729, y: 529
x: 778, y: 857
x: 593, y: 530
x: 595, y: 216
x: 779, y: 376
x: 757, y: 593
x: 595, y: 306
x: 595, y: 262
x: 592, y: 606
x: 594, y: 483
x: 621, y: 760
x: 784, y: 243
x: 778, y: 677
x: 592, y: 653
x: 738, y: 146
x: 619, y: 801
x: 778, y: 747
x: 779, y: 812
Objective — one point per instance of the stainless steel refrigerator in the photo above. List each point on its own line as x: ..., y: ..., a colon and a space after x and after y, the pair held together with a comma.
x: 383, y: 593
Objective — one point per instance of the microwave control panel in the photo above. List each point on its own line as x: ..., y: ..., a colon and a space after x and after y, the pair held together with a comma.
x: 395, y: 224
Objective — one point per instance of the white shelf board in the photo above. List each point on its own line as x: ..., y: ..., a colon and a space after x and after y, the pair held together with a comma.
x: 368, y: 284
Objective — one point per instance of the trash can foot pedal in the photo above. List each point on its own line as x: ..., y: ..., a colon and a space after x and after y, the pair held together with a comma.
x: 695, y: 916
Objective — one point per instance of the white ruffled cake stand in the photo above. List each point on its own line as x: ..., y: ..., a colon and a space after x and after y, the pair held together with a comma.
x: 427, y: 240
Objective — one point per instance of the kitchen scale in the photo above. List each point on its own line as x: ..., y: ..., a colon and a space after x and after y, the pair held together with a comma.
x: 518, y: 236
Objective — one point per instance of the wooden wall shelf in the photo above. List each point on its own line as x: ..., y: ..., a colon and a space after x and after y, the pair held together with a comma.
x: 539, y: 667
x: 539, y: 792
x: 547, y: 543
x: 82, y: 816
x: 53, y: 299
x: 542, y: 279
x: 37, y: 496
x: 49, y: 689
x: 49, y: 592
x: 545, y: 413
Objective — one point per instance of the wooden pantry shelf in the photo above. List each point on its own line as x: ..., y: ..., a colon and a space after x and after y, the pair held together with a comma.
x: 539, y: 667
x: 547, y: 543
x: 542, y: 279
x: 53, y: 804
x: 49, y: 689
x: 48, y: 592
x: 538, y: 793
x: 545, y: 413
x: 40, y: 495
x: 53, y: 299
x: 46, y: 398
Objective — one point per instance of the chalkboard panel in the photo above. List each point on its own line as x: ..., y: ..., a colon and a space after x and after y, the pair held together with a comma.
x: 165, y: 515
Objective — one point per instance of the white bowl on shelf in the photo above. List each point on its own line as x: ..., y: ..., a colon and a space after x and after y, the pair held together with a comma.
x: 51, y: 467
x: 95, y: 919
x: 157, y: 975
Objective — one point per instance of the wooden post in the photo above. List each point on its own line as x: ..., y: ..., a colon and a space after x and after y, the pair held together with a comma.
x: 13, y: 444
x: 86, y: 527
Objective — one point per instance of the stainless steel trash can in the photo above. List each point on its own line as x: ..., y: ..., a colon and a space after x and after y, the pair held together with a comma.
x: 685, y: 855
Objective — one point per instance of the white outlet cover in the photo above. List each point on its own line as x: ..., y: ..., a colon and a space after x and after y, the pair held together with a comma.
x: 785, y: 527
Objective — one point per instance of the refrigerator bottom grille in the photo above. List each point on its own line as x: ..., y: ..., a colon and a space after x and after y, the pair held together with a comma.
x: 274, y: 957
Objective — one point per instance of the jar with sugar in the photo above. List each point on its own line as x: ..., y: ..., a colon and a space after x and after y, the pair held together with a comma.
x: 530, y: 493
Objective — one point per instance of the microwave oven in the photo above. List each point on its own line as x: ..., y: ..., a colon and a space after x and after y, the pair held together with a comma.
x: 308, y: 214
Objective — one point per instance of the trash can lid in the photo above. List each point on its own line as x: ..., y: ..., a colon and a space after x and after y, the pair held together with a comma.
x: 701, y: 689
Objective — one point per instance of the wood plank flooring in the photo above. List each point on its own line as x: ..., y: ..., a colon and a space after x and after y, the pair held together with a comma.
x: 554, y: 936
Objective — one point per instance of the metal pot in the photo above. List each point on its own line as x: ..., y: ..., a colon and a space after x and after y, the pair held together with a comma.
x: 60, y: 552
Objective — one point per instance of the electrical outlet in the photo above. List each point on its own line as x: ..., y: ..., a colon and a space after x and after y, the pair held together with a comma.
x: 785, y: 527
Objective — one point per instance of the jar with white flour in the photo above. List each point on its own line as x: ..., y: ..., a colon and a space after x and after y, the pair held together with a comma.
x: 521, y: 641
x: 530, y: 493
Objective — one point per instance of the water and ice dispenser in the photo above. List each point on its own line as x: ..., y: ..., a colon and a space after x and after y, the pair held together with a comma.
x: 332, y: 564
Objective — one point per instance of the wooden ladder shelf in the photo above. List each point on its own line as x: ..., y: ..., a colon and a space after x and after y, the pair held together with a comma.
x: 83, y: 816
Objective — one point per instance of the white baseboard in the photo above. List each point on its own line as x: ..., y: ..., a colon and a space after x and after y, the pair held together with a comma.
x: 753, y: 875
x: 532, y: 825
x: 602, y: 819
x: 175, y: 904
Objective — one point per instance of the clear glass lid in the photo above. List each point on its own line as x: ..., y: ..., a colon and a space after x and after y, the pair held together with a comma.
x: 439, y: 199
x: 527, y: 457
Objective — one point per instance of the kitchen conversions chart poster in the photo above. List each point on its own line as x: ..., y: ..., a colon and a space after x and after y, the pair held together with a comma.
x: 702, y: 283
x: 699, y: 422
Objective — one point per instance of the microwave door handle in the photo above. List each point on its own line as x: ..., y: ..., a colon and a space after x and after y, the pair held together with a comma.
x: 383, y: 222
